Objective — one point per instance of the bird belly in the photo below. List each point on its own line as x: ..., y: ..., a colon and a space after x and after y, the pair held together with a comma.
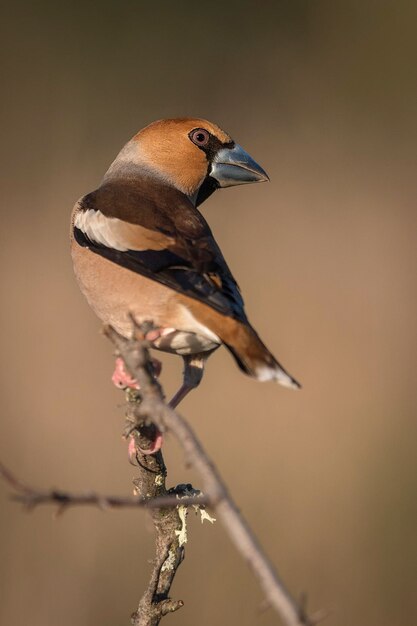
x: 114, y: 292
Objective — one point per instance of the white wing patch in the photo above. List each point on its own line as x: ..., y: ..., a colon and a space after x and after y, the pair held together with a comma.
x: 100, y: 229
x: 118, y: 234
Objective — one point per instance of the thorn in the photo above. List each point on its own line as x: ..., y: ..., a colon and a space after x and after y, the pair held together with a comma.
x: 137, y: 331
x: 61, y: 509
x: 103, y: 504
x: 27, y: 506
x: 303, y: 601
x: 264, y: 606
x: 169, y: 606
x: 320, y: 615
x: 302, y: 610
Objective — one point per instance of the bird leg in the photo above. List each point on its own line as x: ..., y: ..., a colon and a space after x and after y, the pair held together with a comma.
x: 193, y: 373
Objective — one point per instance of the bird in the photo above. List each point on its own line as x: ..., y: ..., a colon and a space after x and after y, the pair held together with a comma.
x: 141, y: 247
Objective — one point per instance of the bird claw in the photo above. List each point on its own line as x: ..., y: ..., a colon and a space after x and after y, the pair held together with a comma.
x: 155, y: 445
x: 123, y: 380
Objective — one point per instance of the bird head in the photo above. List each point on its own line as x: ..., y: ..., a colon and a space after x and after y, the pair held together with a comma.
x: 193, y: 155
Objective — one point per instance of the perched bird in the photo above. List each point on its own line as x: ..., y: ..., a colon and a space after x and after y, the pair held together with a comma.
x: 140, y: 246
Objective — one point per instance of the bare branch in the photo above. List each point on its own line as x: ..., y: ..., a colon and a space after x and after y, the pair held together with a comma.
x: 152, y: 408
x: 31, y: 497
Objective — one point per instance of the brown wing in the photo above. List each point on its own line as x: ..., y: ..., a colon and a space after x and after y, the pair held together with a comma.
x: 156, y: 231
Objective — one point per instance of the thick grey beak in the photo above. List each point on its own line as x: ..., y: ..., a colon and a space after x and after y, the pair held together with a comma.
x: 234, y: 166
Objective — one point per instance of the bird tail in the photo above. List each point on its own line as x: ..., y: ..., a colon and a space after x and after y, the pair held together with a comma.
x: 254, y: 358
x: 251, y: 355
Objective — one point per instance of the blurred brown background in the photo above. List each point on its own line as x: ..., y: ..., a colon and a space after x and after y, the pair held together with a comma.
x: 323, y: 95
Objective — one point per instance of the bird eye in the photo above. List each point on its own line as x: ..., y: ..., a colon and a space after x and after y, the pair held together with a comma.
x: 200, y: 136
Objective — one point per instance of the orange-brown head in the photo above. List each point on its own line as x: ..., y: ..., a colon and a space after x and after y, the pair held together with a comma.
x: 192, y: 154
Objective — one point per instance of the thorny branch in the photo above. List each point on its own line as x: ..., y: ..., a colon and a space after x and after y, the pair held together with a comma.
x: 168, y: 512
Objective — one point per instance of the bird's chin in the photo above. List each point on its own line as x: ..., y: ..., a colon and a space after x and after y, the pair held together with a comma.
x: 208, y: 187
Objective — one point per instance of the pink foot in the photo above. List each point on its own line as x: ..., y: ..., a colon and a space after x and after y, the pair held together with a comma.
x: 123, y: 380
x: 156, y: 445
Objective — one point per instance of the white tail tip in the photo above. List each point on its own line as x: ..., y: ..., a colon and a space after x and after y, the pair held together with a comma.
x: 266, y: 373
